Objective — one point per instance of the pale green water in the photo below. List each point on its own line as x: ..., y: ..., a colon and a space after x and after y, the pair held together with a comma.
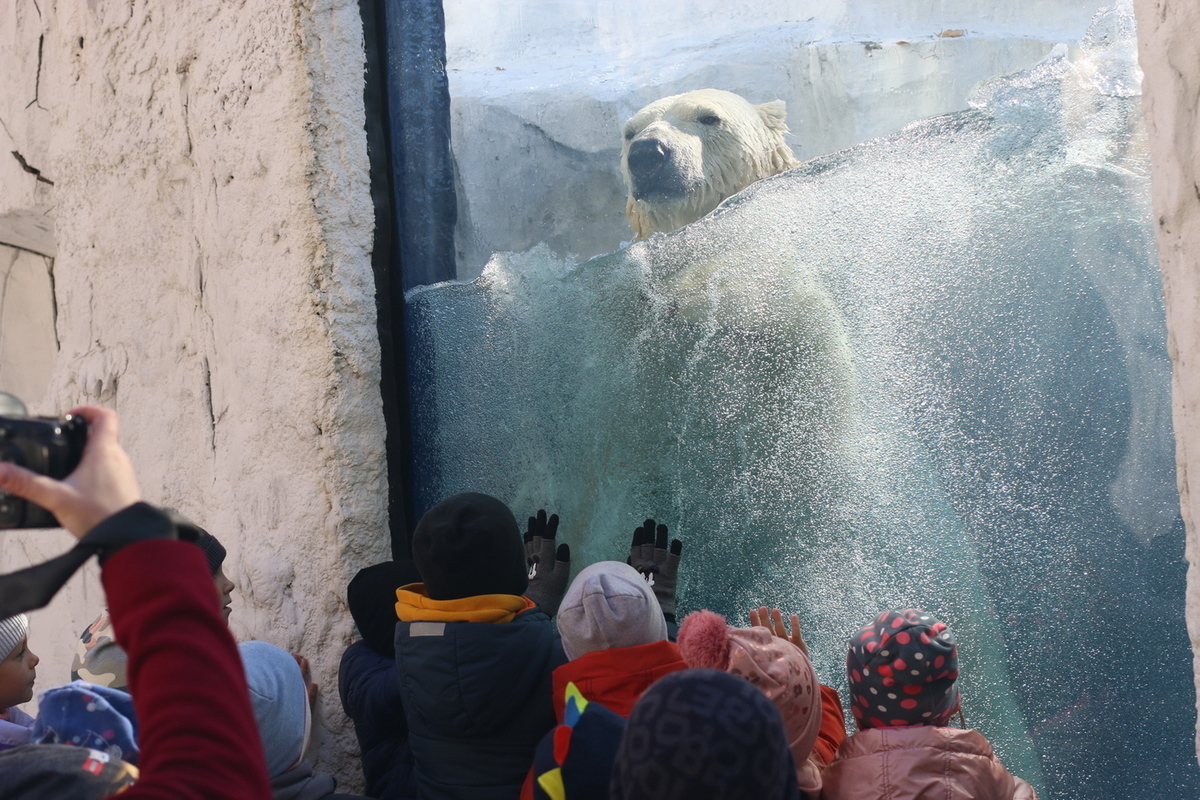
x: 928, y: 371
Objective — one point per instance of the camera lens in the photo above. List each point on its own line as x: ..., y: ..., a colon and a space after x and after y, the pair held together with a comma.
x: 9, y: 451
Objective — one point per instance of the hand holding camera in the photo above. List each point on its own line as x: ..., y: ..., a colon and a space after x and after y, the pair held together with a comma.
x: 79, y: 476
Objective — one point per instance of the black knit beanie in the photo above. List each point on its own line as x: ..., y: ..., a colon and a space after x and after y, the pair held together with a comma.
x: 371, y: 596
x: 214, y: 551
x: 468, y: 545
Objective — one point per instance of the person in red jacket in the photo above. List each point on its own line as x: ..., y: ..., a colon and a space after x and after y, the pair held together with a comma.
x: 615, y: 636
x: 199, y: 738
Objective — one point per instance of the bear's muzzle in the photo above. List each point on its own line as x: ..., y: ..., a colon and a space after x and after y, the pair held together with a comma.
x: 653, y: 172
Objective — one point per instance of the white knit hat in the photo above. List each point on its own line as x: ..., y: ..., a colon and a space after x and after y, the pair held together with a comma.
x: 609, y: 605
x: 12, y: 631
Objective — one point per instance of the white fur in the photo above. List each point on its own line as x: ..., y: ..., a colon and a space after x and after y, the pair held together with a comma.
x: 709, y: 161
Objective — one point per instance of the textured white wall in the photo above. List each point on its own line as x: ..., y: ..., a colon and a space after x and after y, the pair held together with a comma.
x: 213, y: 283
x: 1169, y: 52
x: 28, y: 346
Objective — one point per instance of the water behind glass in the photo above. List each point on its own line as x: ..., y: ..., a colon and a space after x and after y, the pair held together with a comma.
x: 926, y: 371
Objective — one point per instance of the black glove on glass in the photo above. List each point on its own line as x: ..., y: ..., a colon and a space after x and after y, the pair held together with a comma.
x: 549, y: 569
x: 649, y: 555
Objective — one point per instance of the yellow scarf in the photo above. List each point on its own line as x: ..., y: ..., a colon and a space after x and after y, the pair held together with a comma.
x: 413, y: 604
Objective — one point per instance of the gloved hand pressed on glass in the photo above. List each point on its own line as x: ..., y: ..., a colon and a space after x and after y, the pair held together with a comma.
x: 649, y: 555
x: 549, y: 569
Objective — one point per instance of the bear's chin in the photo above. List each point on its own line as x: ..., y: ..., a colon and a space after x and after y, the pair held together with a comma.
x: 660, y: 192
x: 660, y: 197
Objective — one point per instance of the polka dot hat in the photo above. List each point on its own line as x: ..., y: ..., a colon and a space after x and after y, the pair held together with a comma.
x: 902, y: 667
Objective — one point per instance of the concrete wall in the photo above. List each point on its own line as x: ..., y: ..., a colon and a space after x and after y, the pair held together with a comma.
x: 205, y: 167
x: 1169, y: 53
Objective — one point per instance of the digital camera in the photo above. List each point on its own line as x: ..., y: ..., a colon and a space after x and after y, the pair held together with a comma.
x: 44, y: 445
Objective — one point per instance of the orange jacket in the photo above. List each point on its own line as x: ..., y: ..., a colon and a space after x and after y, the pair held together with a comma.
x: 833, y: 726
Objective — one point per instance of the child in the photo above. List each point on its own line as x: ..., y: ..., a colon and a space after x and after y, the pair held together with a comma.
x: 704, y: 734
x: 902, y: 669
x: 17, y: 674
x: 279, y: 697
x: 367, y: 681
x: 833, y: 719
x: 100, y: 661
x: 614, y: 632
x: 777, y: 667
x: 474, y: 657
x: 84, y: 715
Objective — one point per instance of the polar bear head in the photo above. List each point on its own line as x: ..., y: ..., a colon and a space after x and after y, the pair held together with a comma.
x: 686, y: 153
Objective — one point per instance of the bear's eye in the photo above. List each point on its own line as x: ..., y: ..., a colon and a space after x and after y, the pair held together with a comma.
x: 708, y: 119
x: 629, y: 134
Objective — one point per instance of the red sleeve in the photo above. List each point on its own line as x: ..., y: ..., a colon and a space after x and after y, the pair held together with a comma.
x: 833, y: 726
x: 198, y: 736
x: 527, y: 786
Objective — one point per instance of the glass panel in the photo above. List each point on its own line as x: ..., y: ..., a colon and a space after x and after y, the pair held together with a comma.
x: 928, y: 370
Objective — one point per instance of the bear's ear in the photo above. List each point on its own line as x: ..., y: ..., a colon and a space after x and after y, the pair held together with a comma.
x: 774, y: 115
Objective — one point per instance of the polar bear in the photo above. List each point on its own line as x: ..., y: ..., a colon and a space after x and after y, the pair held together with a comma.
x: 686, y: 153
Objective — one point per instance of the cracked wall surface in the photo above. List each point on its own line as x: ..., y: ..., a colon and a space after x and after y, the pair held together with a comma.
x: 1169, y: 53
x: 205, y: 168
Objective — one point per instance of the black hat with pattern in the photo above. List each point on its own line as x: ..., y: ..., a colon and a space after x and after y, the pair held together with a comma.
x: 700, y: 734
x: 901, y: 668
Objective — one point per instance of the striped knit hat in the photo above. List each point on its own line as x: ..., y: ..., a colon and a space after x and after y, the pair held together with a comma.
x: 12, y: 631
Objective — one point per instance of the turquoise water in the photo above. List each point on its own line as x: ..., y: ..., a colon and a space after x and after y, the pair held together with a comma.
x: 930, y: 371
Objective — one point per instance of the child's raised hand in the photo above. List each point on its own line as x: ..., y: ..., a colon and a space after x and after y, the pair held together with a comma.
x: 549, y: 566
x: 773, y: 621
x: 310, y: 688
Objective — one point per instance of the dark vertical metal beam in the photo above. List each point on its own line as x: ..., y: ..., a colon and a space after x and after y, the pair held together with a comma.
x: 418, y: 101
x: 408, y: 136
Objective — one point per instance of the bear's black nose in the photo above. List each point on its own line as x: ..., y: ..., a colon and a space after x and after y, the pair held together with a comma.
x: 646, y: 157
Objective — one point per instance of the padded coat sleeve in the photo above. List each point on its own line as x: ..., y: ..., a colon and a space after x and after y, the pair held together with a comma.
x: 370, y: 693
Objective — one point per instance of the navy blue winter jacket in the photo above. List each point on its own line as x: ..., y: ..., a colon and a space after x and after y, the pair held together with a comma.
x: 371, y: 699
x: 477, y: 699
